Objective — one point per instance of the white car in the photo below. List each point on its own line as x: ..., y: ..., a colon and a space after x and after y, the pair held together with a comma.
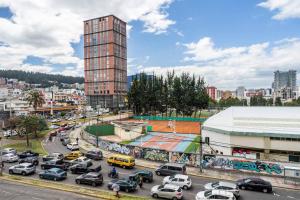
x: 167, y: 191
x: 9, y: 133
x: 220, y: 185
x: 10, y: 157
x: 8, y: 150
x: 53, y: 126
x: 215, y: 195
x: 73, y: 146
x: 180, y: 180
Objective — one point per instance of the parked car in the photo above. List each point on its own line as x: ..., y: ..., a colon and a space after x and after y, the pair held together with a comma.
x: 82, y: 168
x: 73, y: 146
x: 169, y: 169
x: 28, y: 153
x: 167, y: 191
x: 94, y: 155
x: 10, y: 158
x: 256, y: 184
x: 33, y: 160
x: 53, y: 126
x: 215, y: 195
x: 82, y: 160
x: 9, y: 133
x: 52, y: 156
x: 91, y: 178
x: 53, y: 174
x: 66, y: 141
x: 146, y: 175
x: 73, y: 155
x: 180, y: 180
x: 125, y: 185
x: 221, y: 185
x: 63, y: 135
x: 8, y: 150
x: 23, y: 169
x: 55, y: 163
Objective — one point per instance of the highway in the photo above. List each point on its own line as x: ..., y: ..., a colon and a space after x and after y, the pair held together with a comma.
x: 198, y: 182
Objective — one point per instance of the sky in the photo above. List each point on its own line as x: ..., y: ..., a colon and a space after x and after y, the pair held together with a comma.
x: 230, y: 43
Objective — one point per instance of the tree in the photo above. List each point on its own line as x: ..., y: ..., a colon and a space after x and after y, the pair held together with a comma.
x: 278, y: 101
x: 35, y: 99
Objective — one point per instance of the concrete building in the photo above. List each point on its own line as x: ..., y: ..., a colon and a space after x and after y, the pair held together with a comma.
x: 285, y: 80
x: 212, y: 92
x: 263, y: 132
x: 105, y: 62
x: 240, y: 92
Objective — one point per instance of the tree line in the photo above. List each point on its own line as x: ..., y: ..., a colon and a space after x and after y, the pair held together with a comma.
x: 186, y: 94
x: 46, y: 80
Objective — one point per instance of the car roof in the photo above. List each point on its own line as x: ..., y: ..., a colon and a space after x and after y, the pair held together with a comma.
x: 222, y: 192
x: 175, y: 164
x: 55, y: 169
x: 181, y: 176
x: 227, y: 184
x: 25, y: 164
x: 170, y: 186
x: 93, y: 173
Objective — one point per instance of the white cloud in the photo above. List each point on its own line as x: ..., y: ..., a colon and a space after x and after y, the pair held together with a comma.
x: 285, y: 8
x: 46, y: 29
x: 227, y: 68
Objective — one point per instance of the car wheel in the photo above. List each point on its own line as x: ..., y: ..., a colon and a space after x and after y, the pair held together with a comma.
x: 174, y: 198
x: 11, y: 172
x: 155, y: 195
x: 42, y: 167
x: 41, y: 177
x: 94, y: 184
x: 35, y: 163
x: 147, y: 181
x: 158, y: 173
x: 124, y: 167
x: 55, y: 179
x: 265, y: 190
x: 23, y: 173
x: 127, y: 190
x: 185, y: 187
x: 243, y: 188
x: 78, y: 182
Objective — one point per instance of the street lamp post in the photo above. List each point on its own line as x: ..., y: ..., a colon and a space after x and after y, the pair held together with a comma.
x: 1, y: 163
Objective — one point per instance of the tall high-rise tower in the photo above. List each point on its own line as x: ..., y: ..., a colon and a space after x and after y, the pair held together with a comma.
x: 105, y: 62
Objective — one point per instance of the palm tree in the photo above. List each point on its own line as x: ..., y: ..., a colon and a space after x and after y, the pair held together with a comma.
x: 35, y: 99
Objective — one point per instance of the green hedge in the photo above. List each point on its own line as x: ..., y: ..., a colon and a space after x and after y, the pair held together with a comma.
x: 101, y: 130
x: 190, y: 119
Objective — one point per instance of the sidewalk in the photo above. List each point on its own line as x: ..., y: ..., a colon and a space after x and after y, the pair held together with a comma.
x: 215, y: 174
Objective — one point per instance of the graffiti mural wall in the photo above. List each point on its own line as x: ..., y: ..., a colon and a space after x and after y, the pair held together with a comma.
x: 231, y: 163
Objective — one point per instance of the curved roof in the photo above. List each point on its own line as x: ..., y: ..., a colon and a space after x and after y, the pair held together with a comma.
x: 256, y: 121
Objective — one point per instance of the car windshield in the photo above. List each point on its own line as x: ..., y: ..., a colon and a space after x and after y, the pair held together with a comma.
x: 207, y: 193
x: 171, y: 177
x: 160, y: 187
x: 215, y: 184
x: 247, y: 181
x: 59, y: 171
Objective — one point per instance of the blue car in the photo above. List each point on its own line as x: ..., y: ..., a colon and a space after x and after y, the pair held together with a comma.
x: 53, y: 174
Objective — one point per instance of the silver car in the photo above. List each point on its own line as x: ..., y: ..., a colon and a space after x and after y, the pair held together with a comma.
x: 82, y: 160
x: 180, y: 180
x: 215, y: 195
x: 23, y: 169
x: 8, y: 150
x: 167, y: 191
x: 10, y: 158
x: 221, y: 185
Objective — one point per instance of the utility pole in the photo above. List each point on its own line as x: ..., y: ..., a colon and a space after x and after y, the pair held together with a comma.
x: 200, y: 151
x: 1, y: 163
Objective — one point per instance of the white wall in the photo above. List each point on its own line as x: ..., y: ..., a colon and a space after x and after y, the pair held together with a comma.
x: 285, y: 145
x: 221, y: 141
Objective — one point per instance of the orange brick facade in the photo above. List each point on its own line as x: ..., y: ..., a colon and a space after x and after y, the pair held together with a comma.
x: 105, y: 61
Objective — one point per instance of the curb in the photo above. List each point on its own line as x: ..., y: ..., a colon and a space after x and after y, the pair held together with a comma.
x: 72, y: 188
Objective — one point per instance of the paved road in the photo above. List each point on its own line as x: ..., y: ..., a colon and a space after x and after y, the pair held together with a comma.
x: 12, y: 191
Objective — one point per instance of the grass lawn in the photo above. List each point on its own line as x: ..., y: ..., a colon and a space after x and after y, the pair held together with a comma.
x: 194, y: 146
x: 40, y: 134
x: 35, y: 145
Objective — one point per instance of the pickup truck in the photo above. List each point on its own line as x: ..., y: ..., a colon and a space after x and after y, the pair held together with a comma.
x: 82, y: 168
x: 55, y: 163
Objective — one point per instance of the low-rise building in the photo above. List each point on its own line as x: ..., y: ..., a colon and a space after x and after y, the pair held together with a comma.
x: 262, y: 132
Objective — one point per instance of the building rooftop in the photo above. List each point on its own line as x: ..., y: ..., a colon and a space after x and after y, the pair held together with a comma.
x: 257, y: 121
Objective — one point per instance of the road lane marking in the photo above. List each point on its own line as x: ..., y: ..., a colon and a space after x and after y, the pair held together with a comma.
x: 290, y: 197
x: 275, y: 194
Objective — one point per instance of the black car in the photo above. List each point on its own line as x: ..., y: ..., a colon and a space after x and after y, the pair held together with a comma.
x: 256, y: 184
x: 125, y: 185
x: 55, y: 164
x: 33, y: 160
x: 92, y: 178
x: 94, y: 155
x: 28, y: 153
x: 53, y: 156
x: 146, y: 175
x: 82, y: 168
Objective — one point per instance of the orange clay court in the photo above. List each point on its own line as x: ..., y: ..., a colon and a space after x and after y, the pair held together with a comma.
x: 180, y: 126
